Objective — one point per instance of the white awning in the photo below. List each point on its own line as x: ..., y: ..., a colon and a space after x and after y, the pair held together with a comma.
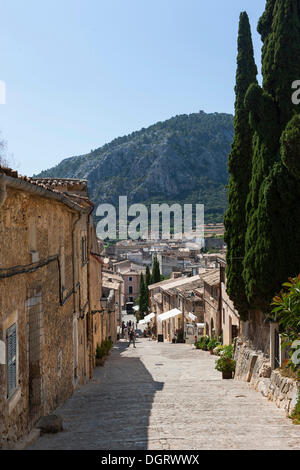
x: 149, y: 317
x: 141, y: 322
x: 200, y: 325
x: 170, y: 314
x: 136, y: 308
x: 192, y: 316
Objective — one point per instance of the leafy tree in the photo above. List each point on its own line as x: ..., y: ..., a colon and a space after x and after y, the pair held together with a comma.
x: 240, y: 166
x: 286, y: 310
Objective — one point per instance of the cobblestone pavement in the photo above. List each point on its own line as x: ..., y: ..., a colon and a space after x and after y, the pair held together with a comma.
x: 166, y: 396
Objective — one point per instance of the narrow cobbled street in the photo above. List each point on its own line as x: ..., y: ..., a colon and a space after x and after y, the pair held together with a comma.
x: 165, y: 396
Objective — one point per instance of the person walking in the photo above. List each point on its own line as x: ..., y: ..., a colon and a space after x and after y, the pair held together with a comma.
x: 126, y: 333
x: 132, y: 337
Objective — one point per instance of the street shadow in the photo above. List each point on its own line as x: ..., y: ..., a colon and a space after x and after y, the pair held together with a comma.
x: 111, y: 412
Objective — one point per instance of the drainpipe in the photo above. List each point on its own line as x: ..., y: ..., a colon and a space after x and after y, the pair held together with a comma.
x: 76, y: 285
x: 75, y: 280
x: 3, y: 192
x: 91, y: 332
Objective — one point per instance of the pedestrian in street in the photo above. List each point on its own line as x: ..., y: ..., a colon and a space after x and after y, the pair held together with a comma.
x: 126, y: 333
x: 132, y: 337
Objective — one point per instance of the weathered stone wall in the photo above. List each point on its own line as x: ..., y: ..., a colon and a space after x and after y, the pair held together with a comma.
x: 254, y: 367
x: 54, y: 324
x: 211, y: 311
x: 229, y: 316
x: 134, y: 283
x: 34, y: 228
x: 95, y: 280
x: 81, y: 303
x: 257, y: 331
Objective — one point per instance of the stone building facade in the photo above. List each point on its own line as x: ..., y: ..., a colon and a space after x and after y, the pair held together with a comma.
x: 132, y: 284
x: 50, y: 290
x: 211, y: 298
x: 113, y: 289
x: 230, y: 319
x: 183, y: 294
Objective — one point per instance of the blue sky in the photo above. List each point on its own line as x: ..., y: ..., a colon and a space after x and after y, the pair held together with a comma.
x: 79, y: 73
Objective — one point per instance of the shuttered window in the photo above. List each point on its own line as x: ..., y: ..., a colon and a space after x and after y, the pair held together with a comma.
x: 11, y: 354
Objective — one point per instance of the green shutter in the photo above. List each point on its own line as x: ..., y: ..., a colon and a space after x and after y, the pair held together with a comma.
x: 11, y: 354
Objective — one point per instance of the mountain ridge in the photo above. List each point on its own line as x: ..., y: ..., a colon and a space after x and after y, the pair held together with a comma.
x: 182, y: 159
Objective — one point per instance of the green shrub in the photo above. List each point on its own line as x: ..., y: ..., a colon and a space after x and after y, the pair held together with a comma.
x: 225, y: 364
x: 286, y: 311
x: 203, y: 343
x: 295, y: 416
x: 227, y: 352
x: 219, y: 348
x: 106, y: 345
x: 212, y: 344
x: 100, y: 352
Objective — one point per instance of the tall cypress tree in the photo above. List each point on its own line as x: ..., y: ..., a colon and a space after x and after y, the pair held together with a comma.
x: 240, y: 166
x: 155, y: 271
x: 148, y: 282
x: 143, y: 297
x: 148, y: 276
x: 273, y: 210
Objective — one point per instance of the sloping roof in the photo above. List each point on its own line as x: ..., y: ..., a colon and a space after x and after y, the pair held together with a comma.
x: 134, y: 272
x: 161, y: 283
x: 46, y: 188
x: 125, y: 261
x: 110, y: 284
x: 110, y: 275
x: 68, y: 184
x: 212, y: 278
x: 196, y: 284
x: 180, y: 281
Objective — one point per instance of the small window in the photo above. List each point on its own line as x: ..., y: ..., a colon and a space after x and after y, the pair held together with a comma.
x: 130, y: 279
x: 224, y: 318
x: 11, y: 354
x: 130, y: 289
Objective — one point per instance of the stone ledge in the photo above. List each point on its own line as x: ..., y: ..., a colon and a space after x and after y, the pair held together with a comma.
x: 254, y: 367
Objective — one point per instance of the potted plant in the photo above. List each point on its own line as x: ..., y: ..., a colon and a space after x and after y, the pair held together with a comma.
x: 226, y: 365
x: 218, y: 350
x: 205, y: 343
x: 212, y: 344
x: 198, y: 342
x: 107, y: 344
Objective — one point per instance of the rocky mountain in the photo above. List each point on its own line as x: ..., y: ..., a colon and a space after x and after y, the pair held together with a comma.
x: 183, y: 160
